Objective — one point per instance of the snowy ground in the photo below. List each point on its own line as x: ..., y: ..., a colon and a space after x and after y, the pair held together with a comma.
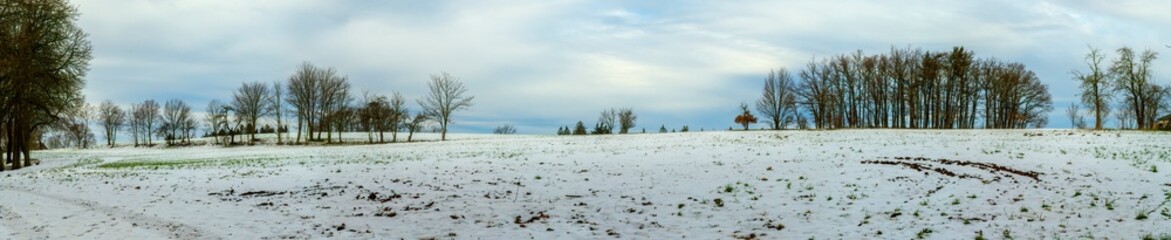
x: 850, y: 184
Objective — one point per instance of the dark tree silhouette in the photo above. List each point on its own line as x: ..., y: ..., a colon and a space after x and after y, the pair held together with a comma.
x: 112, y: 118
x: 445, y: 97
x: 1097, y: 90
x: 778, y: 100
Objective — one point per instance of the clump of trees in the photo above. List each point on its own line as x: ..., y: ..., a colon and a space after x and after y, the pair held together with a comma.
x: 44, y: 56
x: 504, y: 129
x: 624, y: 119
x: 907, y: 88
x: 319, y: 97
x: 1129, y: 74
x: 177, y: 124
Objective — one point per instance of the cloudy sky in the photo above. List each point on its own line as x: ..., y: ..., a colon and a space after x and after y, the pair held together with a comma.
x: 543, y: 64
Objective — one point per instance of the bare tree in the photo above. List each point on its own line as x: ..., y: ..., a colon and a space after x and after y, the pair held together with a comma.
x: 396, y: 113
x: 1125, y: 116
x: 504, y: 129
x: 369, y: 115
x: 778, y: 101
x: 416, y: 123
x: 446, y: 96
x: 302, y: 96
x: 1131, y: 76
x: 135, y: 122
x: 175, y: 118
x: 112, y: 118
x: 335, y: 98
x: 626, y: 120
x: 1075, y: 116
x: 278, y: 107
x: 250, y: 103
x: 1097, y: 90
x: 217, y: 120
x: 44, y: 56
x: 76, y: 125
x: 606, y: 121
x: 147, y: 116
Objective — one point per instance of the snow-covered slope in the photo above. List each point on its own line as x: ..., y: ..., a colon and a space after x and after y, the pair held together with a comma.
x: 850, y: 184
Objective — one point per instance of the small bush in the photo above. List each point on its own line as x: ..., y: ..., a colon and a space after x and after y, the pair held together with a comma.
x: 505, y: 129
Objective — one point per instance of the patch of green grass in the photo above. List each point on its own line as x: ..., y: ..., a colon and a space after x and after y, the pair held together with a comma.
x: 149, y: 164
x: 1160, y: 237
x: 923, y: 233
x: 181, y: 163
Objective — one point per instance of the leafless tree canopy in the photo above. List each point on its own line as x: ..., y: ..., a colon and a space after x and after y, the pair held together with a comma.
x: 1097, y: 90
x: 445, y: 97
x: 416, y: 124
x: 176, y: 120
x: 75, y: 124
x: 504, y: 129
x: 606, y: 121
x: 1132, y: 75
x: 395, y: 115
x: 112, y: 118
x: 1075, y: 116
x: 319, y: 96
x: 44, y: 57
x: 911, y: 88
x: 217, y: 120
x: 778, y: 100
x: 251, y: 102
x: 278, y: 106
x: 626, y: 120
x: 302, y: 96
x: 146, y: 117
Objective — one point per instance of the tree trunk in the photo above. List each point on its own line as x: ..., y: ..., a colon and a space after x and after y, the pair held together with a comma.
x: 299, y: 130
x: 18, y: 142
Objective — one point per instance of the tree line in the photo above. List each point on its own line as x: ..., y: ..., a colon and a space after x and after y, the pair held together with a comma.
x: 319, y: 99
x: 903, y: 88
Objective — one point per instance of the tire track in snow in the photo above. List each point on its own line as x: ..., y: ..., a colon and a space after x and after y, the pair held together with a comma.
x: 35, y: 215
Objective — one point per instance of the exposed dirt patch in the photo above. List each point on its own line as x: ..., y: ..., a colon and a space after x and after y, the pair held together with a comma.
x: 926, y: 165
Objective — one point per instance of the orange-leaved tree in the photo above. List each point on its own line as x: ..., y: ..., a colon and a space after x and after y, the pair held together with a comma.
x: 746, y: 118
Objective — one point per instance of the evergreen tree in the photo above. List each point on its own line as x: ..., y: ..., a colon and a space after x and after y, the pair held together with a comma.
x: 663, y: 129
x: 684, y: 129
x: 579, y: 129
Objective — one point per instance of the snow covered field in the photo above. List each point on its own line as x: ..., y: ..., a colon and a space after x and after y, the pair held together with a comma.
x: 848, y: 184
